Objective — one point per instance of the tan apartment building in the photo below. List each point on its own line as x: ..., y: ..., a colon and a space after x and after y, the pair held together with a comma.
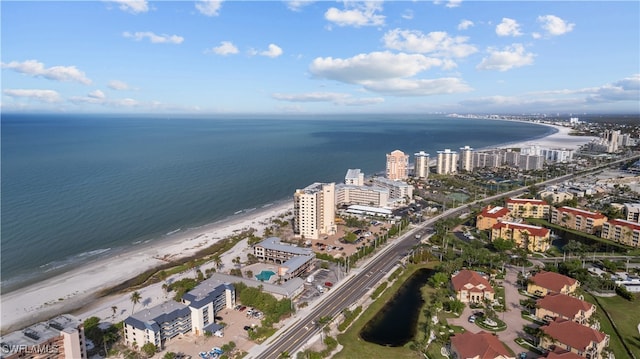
x: 481, y: 345
x: 293, y: 261
x: 532, y: 238
x: 558, y: 305
x: 447, y: 162
x: 491, y: 215
x: 374, y: 196
x: 528, y: 208
x: 632, y: 212
x: 577, y: 219
x: 471, y: 287
x: 59, y: 338
x: 621, y: 231
x: 543, y: 283
x: 573, y: 337
x: 397, y: 165
x: 314, y: 211
x: 421, y: 168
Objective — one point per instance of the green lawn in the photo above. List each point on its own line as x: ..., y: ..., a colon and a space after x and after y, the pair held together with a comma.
x: 626, y: 317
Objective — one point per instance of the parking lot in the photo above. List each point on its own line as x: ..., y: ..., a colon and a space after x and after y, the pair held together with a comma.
x: 323, y: 281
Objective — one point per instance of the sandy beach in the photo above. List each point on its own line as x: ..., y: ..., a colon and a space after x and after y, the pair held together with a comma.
x: 559, y: 139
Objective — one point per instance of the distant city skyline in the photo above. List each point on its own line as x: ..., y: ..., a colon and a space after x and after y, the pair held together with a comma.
x: 310, y: 57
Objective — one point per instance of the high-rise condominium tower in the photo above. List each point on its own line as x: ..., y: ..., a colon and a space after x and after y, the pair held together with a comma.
x: 397, y: 165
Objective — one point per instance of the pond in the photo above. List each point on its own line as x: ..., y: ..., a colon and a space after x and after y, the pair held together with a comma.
x: 396, y: 323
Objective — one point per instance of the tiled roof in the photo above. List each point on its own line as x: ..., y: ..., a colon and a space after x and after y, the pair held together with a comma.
x: 623, y: 223
x: 527, y: 200
x: 468, y: 279
x: 562, y: 354
x: 533, y: 230
x: 552, y: 281
x: 581, y: 212
x: 494, y: 212
x: 570, y: 333
x: 563, y: 304
x: 481, y: 345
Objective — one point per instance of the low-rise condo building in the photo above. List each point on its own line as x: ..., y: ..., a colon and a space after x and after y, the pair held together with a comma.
x: 557, y: 305
x: 59, y: 338
x: 481, y: 345
x: 532, y: 238
x: 398, y: 190
x: 574, y: 337
x: 621, y: 231
x: 632, y: 212
x: 528, y: 208
x: 471, y: 287
x: 314, y: 211
x: 491, y: 215
x: 578, y: 219
x: 206, y: 300
x: 544, y: 283
x: 554, y: 194
x: 354, y: 177
x: 293, y: 261
x: 374, y: 196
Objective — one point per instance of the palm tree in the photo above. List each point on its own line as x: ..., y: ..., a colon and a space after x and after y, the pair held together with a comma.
x: 135, y: 299
x: 217, y: 261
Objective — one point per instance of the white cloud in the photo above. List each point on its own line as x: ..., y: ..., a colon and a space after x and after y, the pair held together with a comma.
x: 297, y: 5
x: 333, y: 97
x: 508, y: 27
x: 536, y: 35
x: 273, y: 51
x: 507, y: 59
x: 35, y: 94
x: 453, y: 3
x: 118, y: 85
x: 57, y: 73
x: 465, y: 24
x: 407, y: 14
x: 356, y: 14
x: 437, y: 42
x: 97, y: 94
x: 225, y: 48
x: 132, y: 6
x: 209, y: 7
x: 155, y: 39
x: 555, y: 26
x: 418, y: 87
x: 627, y: 89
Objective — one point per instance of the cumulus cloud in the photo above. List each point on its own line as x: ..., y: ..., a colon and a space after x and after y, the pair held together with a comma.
x: 407, y: 14
x: 132, y: 6
x: 508, y: 27
x: 465, y: 24
x: 98, y: 97
x: 448, y: 3
x: 438, y: 42
x: 118, y: 85
x: 297, y: 5
x: 356, y: 14
x: 418, y: 87
x: 332, y: 97
x: 627, y: 89
x: 34, y: 94
x: 507, y: 59
x: 555, y: 26
x: 97, y: 94
x: 225, y: 48
x: 57, y: 73
x: 209, y: 7
x: 273, y: 51
x: 155, y: 39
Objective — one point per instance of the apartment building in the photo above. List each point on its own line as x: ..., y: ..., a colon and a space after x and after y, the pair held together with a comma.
x: 543, y: 283
x: 354, y: 177
x: 397, y: 165
x: 471, y: 287
x: 533, y: 238
x: 466, y: 159
x: 555, y: 194
x: 621, y: 231
x: 577, y: 219
x: 528, y: 208
x: 491, y: 215
x: 314, y: 210
x: 157, y: 324
x: 481, y: 345
x: 421, y: 169
x: 530, y: 162
x: 293, y: 261
x: 59, y: 338
x: 511, y: 158
x: 632, y: 212
x: 207, y: 299
x: 375, y: 196
x: 447, y: 162
x: 486, y: 159
x: 397, y: 189
x: 557, y: 305
x: 573, y: 337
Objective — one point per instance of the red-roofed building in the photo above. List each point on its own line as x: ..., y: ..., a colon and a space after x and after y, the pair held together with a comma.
x: 490, y: 216
x: 621, y: 231
x: 557, y: 305
x: 561, y: 354
x: 573, y: 337
x: 481, y: 345
x: 544, y: 283
x: 533, y: 238
x: 578, y: 219
x: 528, y: 208
x: 470, y: 286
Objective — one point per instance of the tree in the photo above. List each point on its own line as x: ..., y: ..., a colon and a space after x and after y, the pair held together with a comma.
x: 135, y: 299
x: 169, y: 355
x: 439, y: 280
x: 217, y: 261
x: 149, y: 349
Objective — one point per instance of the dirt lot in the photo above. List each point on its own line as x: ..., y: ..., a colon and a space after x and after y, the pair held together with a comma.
x: 332, y: 245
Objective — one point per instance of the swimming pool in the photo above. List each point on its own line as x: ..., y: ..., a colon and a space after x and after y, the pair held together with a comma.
x: 265, y: 275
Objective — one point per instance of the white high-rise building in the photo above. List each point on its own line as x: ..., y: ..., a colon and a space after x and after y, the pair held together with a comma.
x: 446, y: 162
x: 466, y: 159
x: 422, y: 164
x: 612, y: 140
x: 314, y: 210
x: 354, y: 177
x: 397, y: 165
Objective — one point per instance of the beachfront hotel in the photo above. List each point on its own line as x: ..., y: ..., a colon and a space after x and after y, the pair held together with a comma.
x: 59, y: 338
x: 314, y: 211
x: 578, y: 219
x: 446, y: 162
x: 621, y: 231
x: 421, y: 169
x: 528, y: 208
x: 466, y: 159
x: 293, y: 261
x: 375, y: 196
x: 397, y: 165
x: 532, y: 238
x: 399, y: 192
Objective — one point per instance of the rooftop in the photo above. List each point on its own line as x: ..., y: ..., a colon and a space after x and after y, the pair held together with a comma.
x: 573, y: 334
x: 274, y: 243
x: 563, y: 304
x: 481, y: 345
x: 534, y: 230
x: 161, y: 313
x: 41, y: 332
x: 206, y: 292
x: 526, y: 200
x: 353, y: 173
x: 624, y: 223
x: 467, y: 279
x: 552, y: 281
x: 494, y: 212
x: 581, y: 212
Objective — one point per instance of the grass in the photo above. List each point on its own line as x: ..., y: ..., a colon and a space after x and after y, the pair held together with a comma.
x: 626, y: 316
x: 355, y: 347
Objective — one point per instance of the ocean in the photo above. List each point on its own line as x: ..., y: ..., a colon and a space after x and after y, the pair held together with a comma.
x: 78, y: 187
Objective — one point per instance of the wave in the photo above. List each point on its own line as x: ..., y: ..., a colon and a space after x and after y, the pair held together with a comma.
x: 172, y: 232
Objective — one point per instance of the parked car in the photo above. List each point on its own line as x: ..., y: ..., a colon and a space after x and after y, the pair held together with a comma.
x: 328, y: 284
x: 242, y: 308
x: 472, y: 319
x: 247, y: 328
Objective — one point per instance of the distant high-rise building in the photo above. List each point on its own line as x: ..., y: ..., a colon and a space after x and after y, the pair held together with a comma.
x: 314, y: 210
x: 446, y: 162
x: 354, y: 177
x: 486, y: 159
x: 530, y: 162
x: 422, y: 164
x: 511, y: 158
x: 612, y: 140
x: 466, y: 159
x: 397, y: 165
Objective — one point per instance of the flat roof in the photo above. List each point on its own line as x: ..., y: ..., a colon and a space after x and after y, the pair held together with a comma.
x: 161, y: 313
x: 274, y: 243
x: 41, y: 332
x: 357, y: 207
x: 284, y: 289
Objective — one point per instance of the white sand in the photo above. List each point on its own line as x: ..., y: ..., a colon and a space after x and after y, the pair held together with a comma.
x: 560, y: 139
x: 78, y: 287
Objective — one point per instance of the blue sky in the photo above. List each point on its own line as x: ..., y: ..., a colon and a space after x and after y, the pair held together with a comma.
x: 320, y: 56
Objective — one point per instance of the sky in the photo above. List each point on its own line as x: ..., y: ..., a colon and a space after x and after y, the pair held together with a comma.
x: 277, y: 57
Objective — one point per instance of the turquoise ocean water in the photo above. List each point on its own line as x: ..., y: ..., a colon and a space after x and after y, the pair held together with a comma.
x: 77, y: 187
